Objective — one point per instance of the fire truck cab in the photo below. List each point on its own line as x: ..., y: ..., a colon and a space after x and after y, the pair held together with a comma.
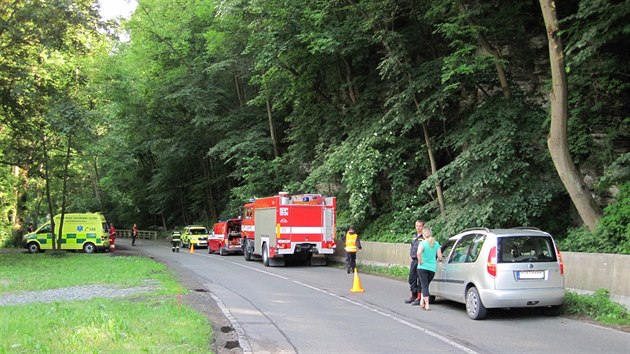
x: 282, y: 226
x: 226, y: 237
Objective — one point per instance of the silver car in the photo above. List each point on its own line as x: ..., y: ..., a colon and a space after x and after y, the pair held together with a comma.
x: 501, y: 268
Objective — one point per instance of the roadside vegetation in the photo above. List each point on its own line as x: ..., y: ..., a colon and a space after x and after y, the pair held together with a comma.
x: 596, y: 307
x: 401, y: 110
x: 131, y: 324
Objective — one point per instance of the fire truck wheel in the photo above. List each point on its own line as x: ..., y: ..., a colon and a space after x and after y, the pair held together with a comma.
x: 247, y: 252
x: 265, y: 255
x: 222, y: 251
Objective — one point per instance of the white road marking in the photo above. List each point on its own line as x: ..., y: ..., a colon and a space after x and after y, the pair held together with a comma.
x: 240, y: 332
x: 236, y: 325
x: 395, y: 318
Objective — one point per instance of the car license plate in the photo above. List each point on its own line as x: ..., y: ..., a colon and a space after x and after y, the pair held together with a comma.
x: 530, y: 274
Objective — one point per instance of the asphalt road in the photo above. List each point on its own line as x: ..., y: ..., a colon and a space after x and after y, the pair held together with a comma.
x: 300, y: 309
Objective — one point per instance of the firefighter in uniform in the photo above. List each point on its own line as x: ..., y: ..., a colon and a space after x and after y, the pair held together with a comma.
x: 176, y: 239
x: 353, y: 243
x: 414, y: 280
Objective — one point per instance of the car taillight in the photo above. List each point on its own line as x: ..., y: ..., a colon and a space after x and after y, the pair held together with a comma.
x: 492, y: 262
x: 560, y: 261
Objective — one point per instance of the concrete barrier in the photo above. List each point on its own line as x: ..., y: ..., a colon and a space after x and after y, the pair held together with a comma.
x: 583, y: 271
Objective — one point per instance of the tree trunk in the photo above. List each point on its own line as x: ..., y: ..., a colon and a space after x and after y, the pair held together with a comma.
x: 208, y: 188
x: 163, y: 220
x: 272, y: 129
x: 557, y: 140
x: 351, y: 90
x: 427, y: 141
x: 95, y: 180
x: 50, y: 205
x: 237, y: 86
x: 64, y: 189
x: 16, y: 219
x: 438, y: 186
x: 492, y: 51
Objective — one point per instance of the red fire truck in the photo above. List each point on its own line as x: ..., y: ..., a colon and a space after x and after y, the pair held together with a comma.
x: 226, y: 237
x: 283, y: 226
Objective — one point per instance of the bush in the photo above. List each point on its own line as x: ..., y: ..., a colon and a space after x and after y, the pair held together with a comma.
x: 613, y: 231
x: 596, y: 306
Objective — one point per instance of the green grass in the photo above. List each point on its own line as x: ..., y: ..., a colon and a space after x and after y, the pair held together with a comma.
x: 146, y: 322
x: 597, y: 306
x: 23, y: 272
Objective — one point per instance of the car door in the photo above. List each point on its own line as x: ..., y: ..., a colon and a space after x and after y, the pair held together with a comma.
x: 437, y: 285
x: 461, y: 265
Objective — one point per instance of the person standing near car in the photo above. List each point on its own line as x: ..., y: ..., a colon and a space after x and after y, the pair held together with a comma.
x: 134, y: 234
x: 414, y: 280
x: 429, y: 253
x: 353, y: 243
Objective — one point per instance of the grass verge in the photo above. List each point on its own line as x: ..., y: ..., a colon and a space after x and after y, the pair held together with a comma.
x: 131, y: 324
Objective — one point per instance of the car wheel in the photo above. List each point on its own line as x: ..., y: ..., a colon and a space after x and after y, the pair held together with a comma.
x: 222, y: 251
x: 553, y: 310
x: 89, y: 247
x: 475, y: 308
x: 265, y: 255
x: 33, y: 247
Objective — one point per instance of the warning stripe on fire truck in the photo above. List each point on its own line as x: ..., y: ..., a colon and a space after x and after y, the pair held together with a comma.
x: 300, y: 230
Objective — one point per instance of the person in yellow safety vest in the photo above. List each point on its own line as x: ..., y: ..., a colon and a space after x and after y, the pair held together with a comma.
x: 176, y: 238
x: 353, y: 243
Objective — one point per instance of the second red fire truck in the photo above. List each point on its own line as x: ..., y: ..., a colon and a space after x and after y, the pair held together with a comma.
x: 282, y: 226
x: 225, y: 237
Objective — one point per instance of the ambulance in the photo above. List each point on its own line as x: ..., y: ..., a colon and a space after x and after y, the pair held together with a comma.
x: 81, y: 231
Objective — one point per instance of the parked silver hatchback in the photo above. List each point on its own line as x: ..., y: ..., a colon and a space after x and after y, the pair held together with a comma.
x: 501, y: 268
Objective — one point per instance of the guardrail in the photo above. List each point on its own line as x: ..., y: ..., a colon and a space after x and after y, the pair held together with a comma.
x: 144, y: 234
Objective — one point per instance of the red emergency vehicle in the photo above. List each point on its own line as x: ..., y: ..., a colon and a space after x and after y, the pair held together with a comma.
x: 226, y: 237
x: 283, y: 226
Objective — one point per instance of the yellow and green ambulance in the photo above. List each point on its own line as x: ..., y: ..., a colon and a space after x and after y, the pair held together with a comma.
x: 81, y: 231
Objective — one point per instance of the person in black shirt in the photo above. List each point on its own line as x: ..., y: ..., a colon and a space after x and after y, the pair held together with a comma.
x: 414, y: 280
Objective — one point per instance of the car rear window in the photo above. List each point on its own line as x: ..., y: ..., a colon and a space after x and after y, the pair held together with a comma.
x: 517, y: 249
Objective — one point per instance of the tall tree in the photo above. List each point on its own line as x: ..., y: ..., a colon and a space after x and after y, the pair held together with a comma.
x: 557, y: 141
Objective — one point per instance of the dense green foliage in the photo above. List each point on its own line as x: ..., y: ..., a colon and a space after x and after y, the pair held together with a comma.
x: 407, y: 109
x: 612, y: 234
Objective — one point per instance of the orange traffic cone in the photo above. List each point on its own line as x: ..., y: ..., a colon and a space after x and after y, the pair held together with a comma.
x: 192, y: 248
x: 356, y: 286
